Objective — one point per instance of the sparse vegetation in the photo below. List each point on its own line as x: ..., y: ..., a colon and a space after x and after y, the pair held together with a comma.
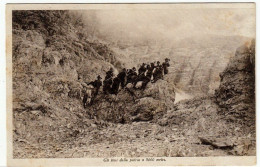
x: 51, y: 49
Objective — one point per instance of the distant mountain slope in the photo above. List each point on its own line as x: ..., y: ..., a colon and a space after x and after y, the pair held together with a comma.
x: 195, y: 61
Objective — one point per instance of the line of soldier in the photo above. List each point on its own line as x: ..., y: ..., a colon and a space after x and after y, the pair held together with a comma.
x: 151, y: 72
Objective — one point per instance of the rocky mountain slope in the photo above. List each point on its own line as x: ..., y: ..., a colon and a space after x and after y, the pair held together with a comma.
x: 51, y: 60
x: 236, y: 93
x: 53, y: 56
x: 192, y: 128
x: 50, y: 54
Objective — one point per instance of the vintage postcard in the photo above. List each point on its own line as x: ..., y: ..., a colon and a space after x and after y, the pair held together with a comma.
x: 131, y: 84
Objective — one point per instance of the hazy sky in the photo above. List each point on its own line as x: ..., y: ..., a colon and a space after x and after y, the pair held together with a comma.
x: 177, y: 23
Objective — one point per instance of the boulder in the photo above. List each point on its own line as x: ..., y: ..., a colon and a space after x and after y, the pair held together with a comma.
x: 161, y: 90
x: 132, y: 104
x: 220, y: 143
x: 146, y: 108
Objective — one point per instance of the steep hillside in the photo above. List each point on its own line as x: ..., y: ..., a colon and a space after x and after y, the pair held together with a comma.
x: 50, y: 54
x: 236, y: 93
x: 53, y: 55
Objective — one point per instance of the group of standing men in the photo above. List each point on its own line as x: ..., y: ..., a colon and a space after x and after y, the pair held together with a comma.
x: 147, y: 72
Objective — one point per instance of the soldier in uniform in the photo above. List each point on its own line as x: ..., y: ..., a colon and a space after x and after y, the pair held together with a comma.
x: 96, y: 84
x: 115, y: 85
x: 122, y: 77
x: 155, y: 71
x: 87, y: 94
x: 134, y: 71
x: 158, y: 73
x: 158, y: 64
x: 128, y: 75
x: 132, y: 76
x: 150, y: 70
x: 110, y: 73
x: 165, y: 65
x: 108, y: 81
x: 142, y: 69
x: 145, y: 80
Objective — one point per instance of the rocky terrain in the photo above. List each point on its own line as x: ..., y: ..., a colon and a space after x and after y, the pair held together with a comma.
x: 53, y: 55
x: 236, y: 93
x: 131, y: 105
x: 51, y: 59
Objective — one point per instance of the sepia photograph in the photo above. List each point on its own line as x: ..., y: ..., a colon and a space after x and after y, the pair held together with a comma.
x: 132, y: 81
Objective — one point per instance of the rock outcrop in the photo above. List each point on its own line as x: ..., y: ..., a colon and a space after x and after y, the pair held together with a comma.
x: 132, y: 104
x: 236, y: 93
x: 52, y: 57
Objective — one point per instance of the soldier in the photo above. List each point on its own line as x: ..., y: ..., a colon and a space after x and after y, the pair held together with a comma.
x: 158, y: 73
x: 115, y: 86
x: 132, y: 76
x: 145, y: 80
x: 128, y: 75
x: 142, y: 69
x: 152, y: 65
x: 150, y: 70
x: 107, y: 85
x: 158, y: 64
x: 165, y: 65
x: 134, y: 71
x: 110, y: 73
x: 122, y: 77
x: 96, y: 84
x: 87, y: 97
x: 108, y: 81
x: 155, y: 71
